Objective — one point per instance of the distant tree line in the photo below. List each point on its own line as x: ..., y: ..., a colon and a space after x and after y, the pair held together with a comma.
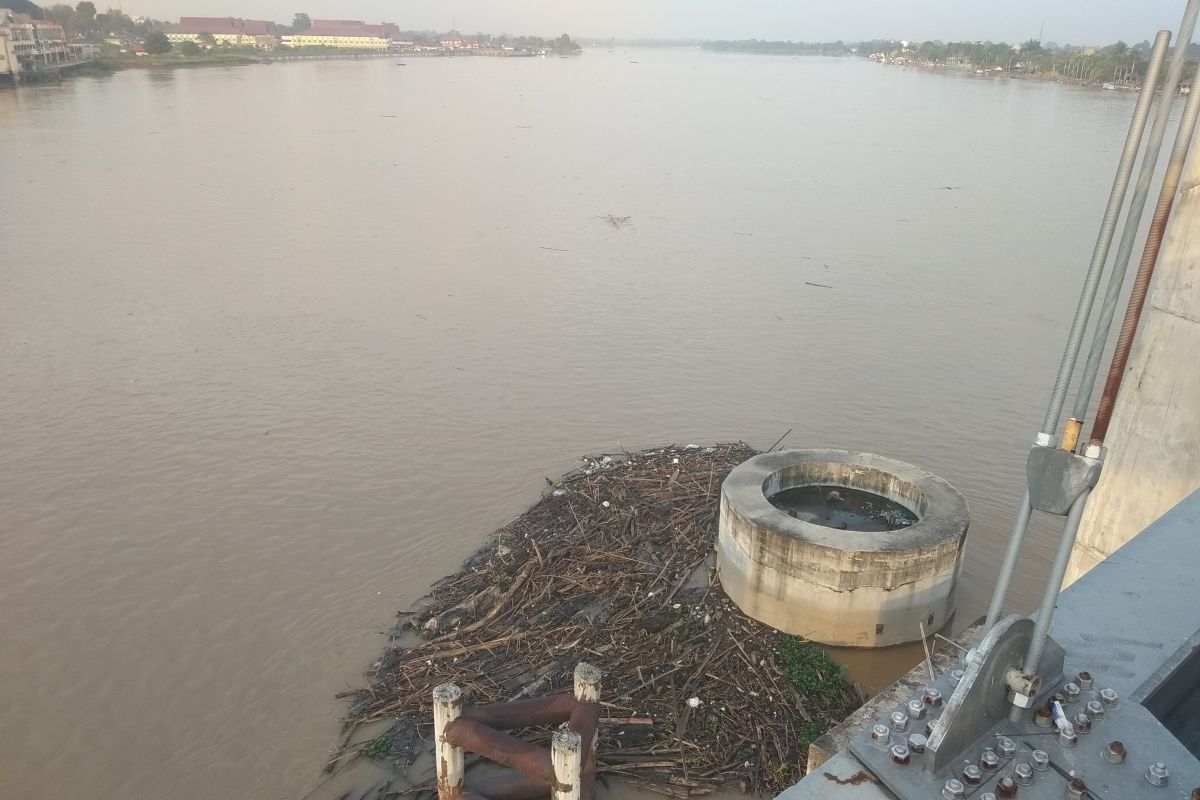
x: 838, y: 48
x: 84, y: 23
x: 1115, y: 61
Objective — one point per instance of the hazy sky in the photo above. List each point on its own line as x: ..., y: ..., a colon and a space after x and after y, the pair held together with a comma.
x: 1066, y: 21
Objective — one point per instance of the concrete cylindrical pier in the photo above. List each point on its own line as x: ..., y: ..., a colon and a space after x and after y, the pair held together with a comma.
x: 846, y: 587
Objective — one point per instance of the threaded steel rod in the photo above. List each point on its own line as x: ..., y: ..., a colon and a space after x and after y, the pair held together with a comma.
x: 1116, y: 197
x: 1133, y: 216
x: 1141, y: 283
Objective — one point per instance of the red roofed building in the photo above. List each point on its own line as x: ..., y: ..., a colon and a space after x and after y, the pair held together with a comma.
x: 225, y: 30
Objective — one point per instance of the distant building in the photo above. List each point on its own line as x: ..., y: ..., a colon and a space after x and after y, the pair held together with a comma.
x: 10, y: 67
x: 226, y: 30
x: 28, y: 44
x: 345, y: 33
x: 83, y: 51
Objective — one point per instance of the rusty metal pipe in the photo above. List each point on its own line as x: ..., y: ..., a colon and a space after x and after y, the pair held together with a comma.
x: 585, y: 719
x: 505, y: 750
x: 1141, y: 283
x: 551, y: 710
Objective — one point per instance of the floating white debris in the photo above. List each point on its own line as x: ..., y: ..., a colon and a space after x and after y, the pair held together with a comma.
x: 605, y: 504
x: 692, y: 447
x: 677, y: 606
x: 559, y: 492
x: 707, y: 618
x: 675, y: 460
x: 694, y: 702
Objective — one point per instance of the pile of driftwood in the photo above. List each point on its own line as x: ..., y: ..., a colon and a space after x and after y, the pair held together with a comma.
x: 613, y: 566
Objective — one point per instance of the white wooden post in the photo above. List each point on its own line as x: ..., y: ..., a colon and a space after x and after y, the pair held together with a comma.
x: 587, y: 683
x: 567, y: 758
x: 447, y: 707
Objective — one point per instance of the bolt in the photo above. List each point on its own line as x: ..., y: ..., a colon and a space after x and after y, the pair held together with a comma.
x: 915, y: 708
x: 917, y: 742
x: 1114, y: 753
x: 880, y: 734
x: 956, y: 675
x: 1006, y: 747
x: 989, y: 760
x: 1082, y: 723
x: 898, y: 720
x: 1157, y: 774
x: 1076, y: 789
x: 987, y: 796
x: 1195, y: 794
x: 1095, y: 708
x: 1023, y: 774
x: 954, y: 790
x: 929, y: 728
x: 932, y: 696
x: 1041, y: 760
x: 972, y: 775
x: 1006, y: 787
x: 1072, y: 692
x: 1067, y: 739
x: 1085, y: 680
x: 1043, y: 718
x: 899, y: 754
x: 1108, y: 697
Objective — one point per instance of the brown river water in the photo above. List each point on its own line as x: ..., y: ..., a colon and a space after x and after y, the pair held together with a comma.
x: 281, y: 344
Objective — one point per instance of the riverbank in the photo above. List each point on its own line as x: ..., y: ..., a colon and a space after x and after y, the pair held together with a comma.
x: 1013, y: 74
x: 613, y: 565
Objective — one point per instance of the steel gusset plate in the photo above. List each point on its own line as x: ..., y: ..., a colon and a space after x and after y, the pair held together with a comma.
x: 1057, y: 478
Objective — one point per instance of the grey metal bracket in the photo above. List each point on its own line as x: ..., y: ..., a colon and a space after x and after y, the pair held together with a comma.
x: 957, y: 730
x: 1057, y: 478
x: 981, y: 698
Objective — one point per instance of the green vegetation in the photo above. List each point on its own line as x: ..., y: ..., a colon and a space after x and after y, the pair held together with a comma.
x: 378, y: 747
x: 809, y: 732
x: 812, y: 673
x: 1118, y: 62
x: 83, y: 23
x: 157, y: 43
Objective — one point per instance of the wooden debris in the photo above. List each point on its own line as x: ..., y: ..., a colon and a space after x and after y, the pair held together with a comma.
x: 612, y: 566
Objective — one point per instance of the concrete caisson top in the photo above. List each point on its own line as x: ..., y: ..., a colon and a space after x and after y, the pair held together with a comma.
x: 843, y: 587
x: 941, y: 511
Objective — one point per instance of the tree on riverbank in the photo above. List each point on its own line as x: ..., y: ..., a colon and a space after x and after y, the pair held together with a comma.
x: 157, y: 43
